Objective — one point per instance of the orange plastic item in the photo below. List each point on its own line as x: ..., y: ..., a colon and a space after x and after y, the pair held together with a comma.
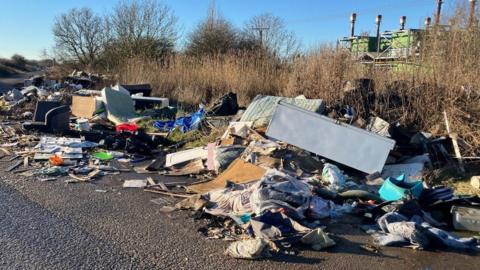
x: 56, y: 160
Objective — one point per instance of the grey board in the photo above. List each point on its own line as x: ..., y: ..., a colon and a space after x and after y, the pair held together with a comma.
x: 345, y: 144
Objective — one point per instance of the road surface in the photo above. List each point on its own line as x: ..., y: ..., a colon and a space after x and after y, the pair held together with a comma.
x: 7, y: 83
x: 54, y: 225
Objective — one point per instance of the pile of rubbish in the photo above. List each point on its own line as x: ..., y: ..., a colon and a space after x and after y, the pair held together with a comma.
x: 277, y: 170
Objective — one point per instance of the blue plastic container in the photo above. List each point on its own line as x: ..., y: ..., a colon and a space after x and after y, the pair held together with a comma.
x: 396, y: 188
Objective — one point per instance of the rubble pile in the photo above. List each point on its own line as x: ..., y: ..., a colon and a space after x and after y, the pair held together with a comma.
x: 281, y: 167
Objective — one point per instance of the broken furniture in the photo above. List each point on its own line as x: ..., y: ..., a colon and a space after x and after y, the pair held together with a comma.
x: 142, y: 102
x: 42, y: 108
x: 119, y: 106
x: 50, y: 117
x: 133, y: 89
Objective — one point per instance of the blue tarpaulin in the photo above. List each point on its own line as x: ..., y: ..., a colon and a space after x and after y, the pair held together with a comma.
x: 185, y: 123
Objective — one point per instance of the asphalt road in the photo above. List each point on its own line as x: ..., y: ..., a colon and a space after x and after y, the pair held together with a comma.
x: 54, y: 225
x: 9, y: 82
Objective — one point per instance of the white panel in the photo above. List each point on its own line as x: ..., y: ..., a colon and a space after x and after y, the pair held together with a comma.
x: 182, y: 156
x: 345, y: 144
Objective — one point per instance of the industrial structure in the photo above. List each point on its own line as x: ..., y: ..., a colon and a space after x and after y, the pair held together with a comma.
x: 394, y: 48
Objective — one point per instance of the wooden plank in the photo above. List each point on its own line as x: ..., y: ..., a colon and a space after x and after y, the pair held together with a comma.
x: 21, y: 171
x: 456, y: 148
x: 151, y: 181
x: 11, y: 168
x: 163, y: 186
x: 5, y: 151
x: 167, y: 193
x: 13, y: 158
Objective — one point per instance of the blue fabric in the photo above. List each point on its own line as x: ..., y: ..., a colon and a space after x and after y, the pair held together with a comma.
x: 185, y: 123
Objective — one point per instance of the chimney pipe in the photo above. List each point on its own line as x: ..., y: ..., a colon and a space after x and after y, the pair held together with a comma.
x: 472, y: 18
x: 378, y: 20
x: 439, y: 11
x: 353, y: 18
x: 428, y: 22
x: 403, y: 20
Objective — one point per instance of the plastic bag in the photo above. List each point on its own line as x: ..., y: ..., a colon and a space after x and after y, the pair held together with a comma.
x: 333, y: 175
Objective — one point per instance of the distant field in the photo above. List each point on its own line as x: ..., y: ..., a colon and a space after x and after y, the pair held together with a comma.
x: 6, y: 71
x: 17, y: 65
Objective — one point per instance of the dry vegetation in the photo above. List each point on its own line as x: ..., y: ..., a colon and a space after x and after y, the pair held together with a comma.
x: 445, y: 77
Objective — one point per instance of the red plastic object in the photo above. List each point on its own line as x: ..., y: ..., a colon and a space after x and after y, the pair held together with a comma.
x: 56, y: 160
x: 129, y: 127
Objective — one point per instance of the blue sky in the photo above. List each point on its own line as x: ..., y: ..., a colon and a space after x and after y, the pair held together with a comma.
x: 25, y: 25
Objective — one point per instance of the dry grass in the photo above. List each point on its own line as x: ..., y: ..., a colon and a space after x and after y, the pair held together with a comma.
x: 193, y: 80
x: 445, y: 77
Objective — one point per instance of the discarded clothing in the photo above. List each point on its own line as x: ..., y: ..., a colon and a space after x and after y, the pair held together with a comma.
x: 185, y: 124
x: 279, y: 190
x: 398, y: 225
x: 234, y: 200
x: 318, y: 208
x: 436, y: 195
x: 273, y: 226
x: 396, y: 229
x: 224, y: 156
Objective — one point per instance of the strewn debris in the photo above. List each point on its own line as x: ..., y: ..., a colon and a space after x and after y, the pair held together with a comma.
x: 267, y: 179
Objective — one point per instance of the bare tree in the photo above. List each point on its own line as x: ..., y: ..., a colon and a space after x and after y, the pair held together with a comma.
x: 144, y: 27
x: 213, y: 35
x: 270, y: 31
x: 79, y: 36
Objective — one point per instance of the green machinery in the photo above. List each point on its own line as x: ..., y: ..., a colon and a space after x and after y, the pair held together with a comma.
x: 396, y: 47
